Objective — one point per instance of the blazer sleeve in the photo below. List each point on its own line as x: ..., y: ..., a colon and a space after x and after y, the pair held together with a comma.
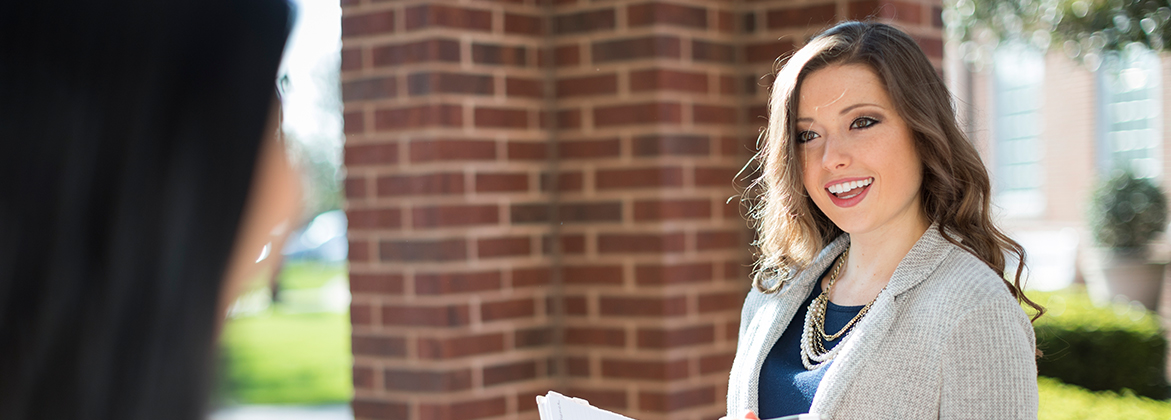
x: 989, y: 367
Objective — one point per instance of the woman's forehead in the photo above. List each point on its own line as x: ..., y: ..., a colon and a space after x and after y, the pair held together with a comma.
x: 830, y: 90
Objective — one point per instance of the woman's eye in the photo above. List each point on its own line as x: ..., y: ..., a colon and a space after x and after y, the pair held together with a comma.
x: 863, y: 122
x: 806, y: 136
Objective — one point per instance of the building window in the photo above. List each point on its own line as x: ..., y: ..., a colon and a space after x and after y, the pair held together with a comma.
x: 1131, y: 108
x: 1018, y: 73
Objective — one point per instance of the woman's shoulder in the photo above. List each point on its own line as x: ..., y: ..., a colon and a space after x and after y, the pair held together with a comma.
x: 962, y: 268
x: 961, y: 283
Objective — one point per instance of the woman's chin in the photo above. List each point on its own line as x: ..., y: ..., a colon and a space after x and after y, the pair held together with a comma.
x: 851, y: 221
x: 852, y: 229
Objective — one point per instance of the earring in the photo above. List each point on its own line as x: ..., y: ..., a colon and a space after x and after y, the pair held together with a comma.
x: 277, y: 230
x: 264, y: 252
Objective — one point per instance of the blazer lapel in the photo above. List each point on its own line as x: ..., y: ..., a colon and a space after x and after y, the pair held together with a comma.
x: 927, y: 253
x: 773, y: 316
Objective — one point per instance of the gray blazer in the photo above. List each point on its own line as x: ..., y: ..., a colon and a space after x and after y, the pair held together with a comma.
x: 944, y: 340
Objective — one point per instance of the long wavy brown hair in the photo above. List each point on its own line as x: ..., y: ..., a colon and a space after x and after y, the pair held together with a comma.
x: 956, y: 191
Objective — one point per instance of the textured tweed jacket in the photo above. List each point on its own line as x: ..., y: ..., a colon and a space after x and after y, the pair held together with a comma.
x: 945, y: 339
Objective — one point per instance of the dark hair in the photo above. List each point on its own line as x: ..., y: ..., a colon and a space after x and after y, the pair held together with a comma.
x: 130, y: 132
x: 956, y: 191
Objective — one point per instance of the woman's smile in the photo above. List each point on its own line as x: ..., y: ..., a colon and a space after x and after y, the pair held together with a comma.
x: 849, y: 192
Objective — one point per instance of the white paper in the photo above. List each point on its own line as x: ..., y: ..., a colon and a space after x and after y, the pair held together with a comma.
x: 554, y: 406
x: 806, y: 416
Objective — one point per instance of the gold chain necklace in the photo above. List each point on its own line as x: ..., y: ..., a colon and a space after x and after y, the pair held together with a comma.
x: 813, y: 352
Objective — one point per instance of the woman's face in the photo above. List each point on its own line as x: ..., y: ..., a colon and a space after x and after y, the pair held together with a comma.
x: 858, y: 156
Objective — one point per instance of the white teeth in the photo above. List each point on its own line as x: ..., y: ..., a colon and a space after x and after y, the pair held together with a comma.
x: 847, y: 186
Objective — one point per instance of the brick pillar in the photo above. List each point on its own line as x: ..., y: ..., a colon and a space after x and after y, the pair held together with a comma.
x: 654, y: 294
x: 444, y: 159
x: 536, y: 195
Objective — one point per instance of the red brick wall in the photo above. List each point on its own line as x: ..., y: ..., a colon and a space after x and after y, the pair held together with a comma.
x: 654, y: 293
x: 444, y: 153
x: 537, y: 195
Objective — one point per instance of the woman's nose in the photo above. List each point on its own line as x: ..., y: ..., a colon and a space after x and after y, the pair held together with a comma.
x: 835, y: 154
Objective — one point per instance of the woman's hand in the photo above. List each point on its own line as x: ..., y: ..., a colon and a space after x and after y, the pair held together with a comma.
x: 746, y: 415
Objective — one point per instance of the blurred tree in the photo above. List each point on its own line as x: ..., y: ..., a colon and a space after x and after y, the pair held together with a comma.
x: 311, y: 101
x: 317, y: 150
x: 1083, y: 29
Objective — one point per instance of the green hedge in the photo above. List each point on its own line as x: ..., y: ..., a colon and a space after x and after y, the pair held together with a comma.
x: 1109, y: 348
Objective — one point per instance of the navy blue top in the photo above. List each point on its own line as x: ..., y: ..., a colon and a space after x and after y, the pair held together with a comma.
x: 786, y: 388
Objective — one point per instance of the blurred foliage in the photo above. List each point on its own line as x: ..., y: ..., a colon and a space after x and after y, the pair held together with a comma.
x: 1083, y: 29
x: 321, y: 185
x: 316, y: 148
x: 1127, y: 212
x: 1060, y: 401
x: 1120, y: 347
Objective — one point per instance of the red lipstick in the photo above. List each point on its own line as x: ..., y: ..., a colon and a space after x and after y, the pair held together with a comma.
x: 852, y: 197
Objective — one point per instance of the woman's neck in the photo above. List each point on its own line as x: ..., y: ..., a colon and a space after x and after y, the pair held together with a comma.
x: 873, y: 258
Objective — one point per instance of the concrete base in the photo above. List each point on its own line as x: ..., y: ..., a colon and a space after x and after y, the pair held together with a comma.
x: 1110, y: 275
x: 284, y: 412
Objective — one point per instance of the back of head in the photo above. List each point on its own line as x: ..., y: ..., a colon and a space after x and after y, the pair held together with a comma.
x: 130, y: 134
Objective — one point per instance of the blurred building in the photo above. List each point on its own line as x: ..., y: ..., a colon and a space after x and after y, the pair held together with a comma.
x: 1050, y: 128
x: 538, y: 195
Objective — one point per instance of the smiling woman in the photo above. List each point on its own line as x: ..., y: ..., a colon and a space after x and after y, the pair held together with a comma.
x: 853, y: 141
x: 878, y: 289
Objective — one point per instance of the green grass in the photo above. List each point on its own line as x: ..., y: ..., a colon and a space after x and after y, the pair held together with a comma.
x: 298, y: 275
x: 278, y: 358
x: 290, y: 353
x: 304, y: 358
x: 1061, y: 401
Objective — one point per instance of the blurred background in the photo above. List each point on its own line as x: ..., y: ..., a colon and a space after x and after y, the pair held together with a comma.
x: 285, y: 350
x: 541, y: 195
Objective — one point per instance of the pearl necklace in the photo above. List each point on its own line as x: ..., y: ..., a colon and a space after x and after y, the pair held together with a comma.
x: 813, y: 352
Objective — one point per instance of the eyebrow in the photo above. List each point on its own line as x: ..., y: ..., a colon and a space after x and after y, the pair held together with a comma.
x: 845, y: 110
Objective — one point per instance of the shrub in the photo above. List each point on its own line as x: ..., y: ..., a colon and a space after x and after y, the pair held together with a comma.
x: 1110, y: 348
x: 1127, y: 212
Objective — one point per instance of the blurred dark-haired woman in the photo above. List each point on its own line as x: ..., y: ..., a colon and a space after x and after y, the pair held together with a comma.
x: 141, y: 183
